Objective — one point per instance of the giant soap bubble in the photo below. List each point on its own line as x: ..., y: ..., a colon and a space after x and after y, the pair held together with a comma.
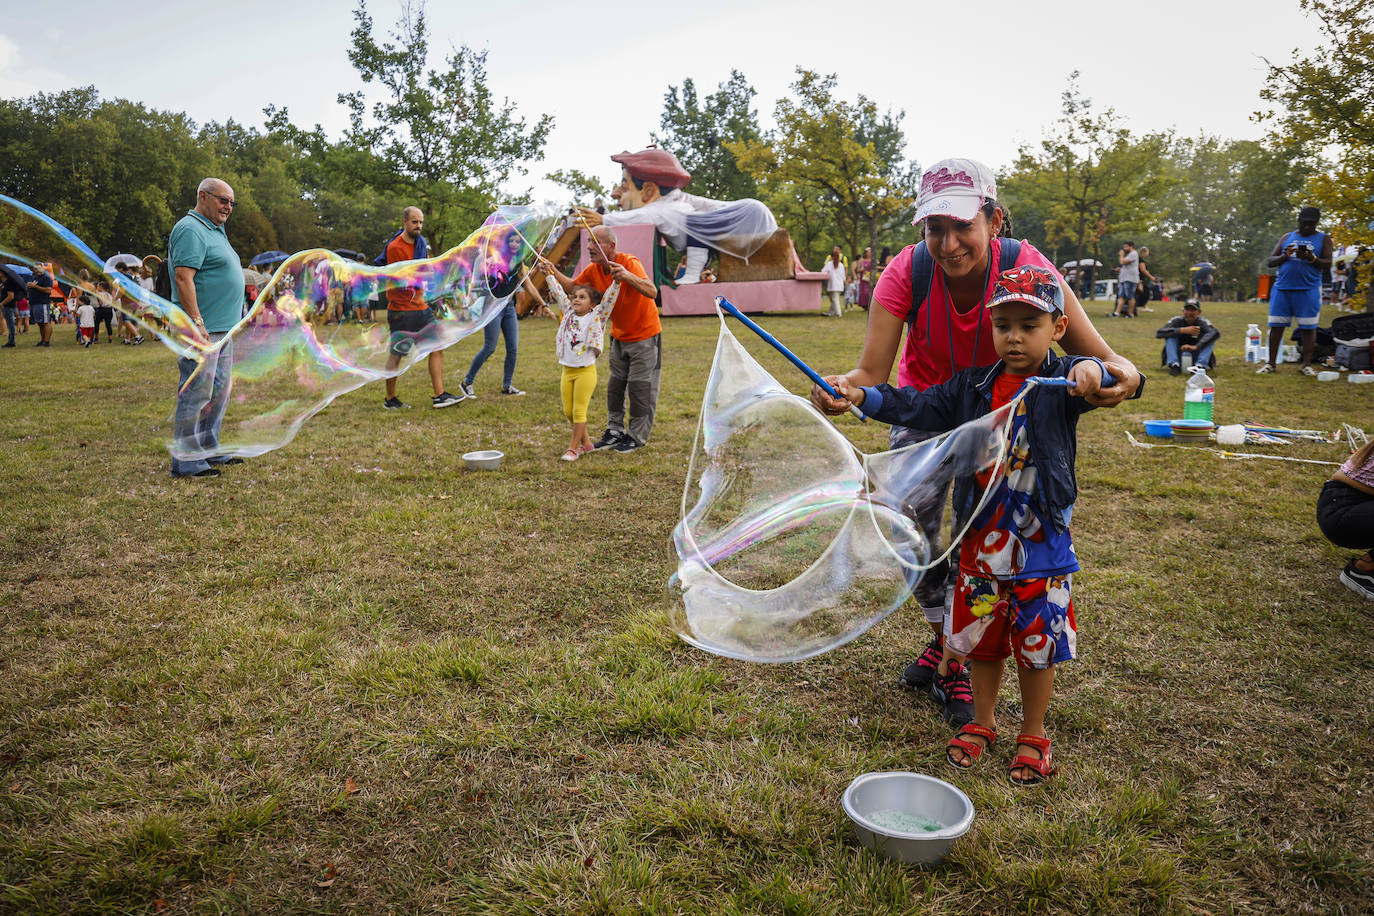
x: 288, y: 364
x: 792, y: 541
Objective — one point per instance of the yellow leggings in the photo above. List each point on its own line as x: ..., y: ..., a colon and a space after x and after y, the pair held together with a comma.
x: 577, y: 387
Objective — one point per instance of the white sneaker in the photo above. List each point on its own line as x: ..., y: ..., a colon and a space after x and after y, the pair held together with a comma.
x: 466, y: 388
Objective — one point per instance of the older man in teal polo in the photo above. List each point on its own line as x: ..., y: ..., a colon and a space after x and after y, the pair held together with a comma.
x: 208, y: 285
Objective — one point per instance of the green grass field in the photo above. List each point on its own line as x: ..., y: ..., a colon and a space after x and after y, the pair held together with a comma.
x: 351, y: 676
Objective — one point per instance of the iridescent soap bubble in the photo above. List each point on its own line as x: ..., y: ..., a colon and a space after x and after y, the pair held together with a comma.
x: 792, y: 541
x: 288, y: 363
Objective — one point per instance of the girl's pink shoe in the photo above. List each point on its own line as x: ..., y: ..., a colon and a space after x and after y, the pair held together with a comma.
x: 570, y: 455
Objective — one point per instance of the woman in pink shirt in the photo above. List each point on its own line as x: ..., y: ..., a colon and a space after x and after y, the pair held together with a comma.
x: 951, y: 330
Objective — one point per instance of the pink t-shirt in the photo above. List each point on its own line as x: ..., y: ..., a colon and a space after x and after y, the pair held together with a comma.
x: 943, y: 341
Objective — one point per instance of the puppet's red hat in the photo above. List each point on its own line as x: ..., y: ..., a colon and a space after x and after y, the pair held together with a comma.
x: 656, y: 165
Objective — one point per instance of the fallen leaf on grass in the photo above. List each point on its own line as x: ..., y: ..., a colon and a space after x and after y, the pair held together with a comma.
x: 331, y: 875
x: 351, y: 787
x: 587, y: 862
x: 159, y: 904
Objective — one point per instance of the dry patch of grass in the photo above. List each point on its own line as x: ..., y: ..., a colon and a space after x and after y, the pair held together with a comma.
x: 349, y: 675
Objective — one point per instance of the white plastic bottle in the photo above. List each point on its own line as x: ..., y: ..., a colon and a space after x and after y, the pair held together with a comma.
x: 1253, y: 349
x: 1198, y: 396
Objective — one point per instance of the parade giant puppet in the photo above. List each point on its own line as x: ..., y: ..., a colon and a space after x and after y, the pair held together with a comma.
x: 650, y: 191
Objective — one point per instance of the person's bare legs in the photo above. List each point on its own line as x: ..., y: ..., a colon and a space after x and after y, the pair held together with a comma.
x: 1275, y: 341
x: 1037, y: 686
x: 436, y: 371
x: 392, y: 361
x: 985, y: 678
x: 579, y: 436
x: 1309, y: 346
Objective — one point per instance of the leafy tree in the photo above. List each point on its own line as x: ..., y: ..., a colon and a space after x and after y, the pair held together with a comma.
x: 1089, y: 176
x: 1328, y: 100
x: 697, y: 132
x: 584, y: 188
x: 437, y: 136
x: 847, y: 153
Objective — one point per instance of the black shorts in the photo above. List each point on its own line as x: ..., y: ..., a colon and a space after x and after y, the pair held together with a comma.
x: 409, y: 327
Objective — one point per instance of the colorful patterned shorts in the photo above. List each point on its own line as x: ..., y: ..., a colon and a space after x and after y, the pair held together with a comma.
x: 1031, y: 619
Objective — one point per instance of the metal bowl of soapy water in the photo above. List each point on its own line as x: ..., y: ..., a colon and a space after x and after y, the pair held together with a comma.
x: 909, y: 817
x: 486, y: 460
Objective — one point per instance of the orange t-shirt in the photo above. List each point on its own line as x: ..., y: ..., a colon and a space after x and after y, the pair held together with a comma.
x: 397, y: 297
x: 635, y: 316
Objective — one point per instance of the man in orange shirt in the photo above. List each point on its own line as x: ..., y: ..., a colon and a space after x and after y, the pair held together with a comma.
x: 635, y: 356
x: 410, y: 317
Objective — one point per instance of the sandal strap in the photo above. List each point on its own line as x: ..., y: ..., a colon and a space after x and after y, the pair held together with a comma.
x: 982, y: 731
x: 1040, y: 765
x: 968, y: 747
x: 1036, y: 741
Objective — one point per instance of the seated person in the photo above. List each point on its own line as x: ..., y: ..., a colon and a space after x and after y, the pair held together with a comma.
x: 1188, y: 333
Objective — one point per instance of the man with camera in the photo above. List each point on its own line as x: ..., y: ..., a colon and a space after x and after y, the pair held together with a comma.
x: 1300, y: 256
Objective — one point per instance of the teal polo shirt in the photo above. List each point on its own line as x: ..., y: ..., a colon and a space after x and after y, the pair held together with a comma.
x: 201, y: 245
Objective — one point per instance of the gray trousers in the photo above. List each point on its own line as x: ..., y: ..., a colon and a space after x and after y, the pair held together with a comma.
x: 634, y: 369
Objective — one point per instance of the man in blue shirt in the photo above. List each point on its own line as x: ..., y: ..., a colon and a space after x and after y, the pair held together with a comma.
x: 207, y: 282
x: 40, y: 304
x: 1301, y: 257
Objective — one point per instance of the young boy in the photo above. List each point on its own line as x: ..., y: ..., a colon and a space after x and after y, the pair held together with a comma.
x: 1012, y: 594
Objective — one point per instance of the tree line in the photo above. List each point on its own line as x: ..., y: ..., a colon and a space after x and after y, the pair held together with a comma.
x: 833, y: 170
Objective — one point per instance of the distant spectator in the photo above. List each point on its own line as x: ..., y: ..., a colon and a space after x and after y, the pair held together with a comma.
x: 863, y: 270
x: 1202, y: 282
x: 1300, y: 256
x: 409, y: 316
x: 834, y: 271
x: 85, y: 321
x: 1188, y: 333
x: 1126, y: 279
x: 40, y: 304
x: 1145, y: 288
x: 11, y: 291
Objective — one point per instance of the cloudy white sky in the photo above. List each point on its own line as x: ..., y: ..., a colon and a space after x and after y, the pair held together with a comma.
x: 975, y: 79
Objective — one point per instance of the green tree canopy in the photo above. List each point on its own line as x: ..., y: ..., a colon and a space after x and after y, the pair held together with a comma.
x: 698, y: 131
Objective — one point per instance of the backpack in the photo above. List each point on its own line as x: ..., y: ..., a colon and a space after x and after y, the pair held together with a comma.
x: 162, y: 280
x: 923, y: 274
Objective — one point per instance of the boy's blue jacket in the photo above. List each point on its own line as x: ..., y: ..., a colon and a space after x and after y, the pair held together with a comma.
x: 1051, y: 424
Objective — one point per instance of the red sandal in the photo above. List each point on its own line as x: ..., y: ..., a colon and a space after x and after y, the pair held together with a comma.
x: 1042, y: 766
x: 968, y: 747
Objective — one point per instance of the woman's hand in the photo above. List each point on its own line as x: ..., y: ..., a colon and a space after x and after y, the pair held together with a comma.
x: 823, y: 402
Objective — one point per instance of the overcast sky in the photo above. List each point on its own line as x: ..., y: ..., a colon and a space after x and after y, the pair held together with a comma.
x: 978, y: 87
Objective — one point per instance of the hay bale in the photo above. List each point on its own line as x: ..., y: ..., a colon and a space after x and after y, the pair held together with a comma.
x: 771, y: 262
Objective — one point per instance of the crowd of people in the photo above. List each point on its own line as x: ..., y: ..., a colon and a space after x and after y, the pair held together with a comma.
x: 35, y: 299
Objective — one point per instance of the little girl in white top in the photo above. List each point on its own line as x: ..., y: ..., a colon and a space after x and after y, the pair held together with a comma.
x: 580, y: 340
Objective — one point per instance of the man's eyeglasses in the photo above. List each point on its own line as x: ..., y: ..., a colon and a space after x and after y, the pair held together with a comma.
x: 227, y: 201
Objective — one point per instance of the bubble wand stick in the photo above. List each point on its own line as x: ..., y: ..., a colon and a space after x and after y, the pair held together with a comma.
x: 728, y: 306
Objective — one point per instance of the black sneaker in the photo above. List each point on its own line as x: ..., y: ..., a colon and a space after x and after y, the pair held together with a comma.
x: 466, y: 388
x: 626, y: 444
x: 920, y: 674
x: 511, y: 389
x: 395, y: 404
x: 1175, y: 369
x: 608, y: 440
x: 445, y: 400
x: 1361, y: 583
x: 954, y: 694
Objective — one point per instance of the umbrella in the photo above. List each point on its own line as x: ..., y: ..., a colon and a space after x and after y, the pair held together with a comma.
x: 1203, y: 264
x: 253, y: 278
x: 17, y: 274
x: 268, y: 257
x: 350, y: 254
x: 1086, y: 262
x: 122, y: 262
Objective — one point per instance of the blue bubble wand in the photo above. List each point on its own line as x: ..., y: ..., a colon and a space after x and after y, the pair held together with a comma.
x: 727, y: 306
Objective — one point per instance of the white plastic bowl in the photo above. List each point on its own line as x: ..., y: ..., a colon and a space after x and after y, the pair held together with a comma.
x: 874, y: 801
x: 485, y: 460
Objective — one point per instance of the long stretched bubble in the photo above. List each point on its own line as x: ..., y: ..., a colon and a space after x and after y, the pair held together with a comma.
x: 792, y: 541
x: 290, y: 355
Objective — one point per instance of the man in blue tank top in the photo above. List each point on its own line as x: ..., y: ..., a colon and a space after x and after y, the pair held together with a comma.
x: 1301, y: 257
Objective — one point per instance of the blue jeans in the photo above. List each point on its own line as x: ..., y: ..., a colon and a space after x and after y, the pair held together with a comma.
x: 1202, y: 356
x: 11, y: 316
x: 199, y: 411
x: 506, y: 324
